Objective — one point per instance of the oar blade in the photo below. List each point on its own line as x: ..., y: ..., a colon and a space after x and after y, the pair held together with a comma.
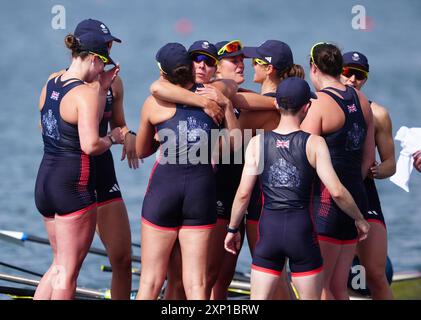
x: 12, y: 237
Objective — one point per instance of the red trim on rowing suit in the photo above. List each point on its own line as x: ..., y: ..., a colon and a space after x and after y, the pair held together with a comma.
x: 150, y: 224
x: 84, y: 171
x: 152, y: 172
x: 206, y: 226
x: 307, y: 273
x: 266, y: 270
x: 336, y: 241
x: 103, y: 203
x: 248, y: 221
x: 81, y: 211
x: 377, y: 221
x: 325, y: 201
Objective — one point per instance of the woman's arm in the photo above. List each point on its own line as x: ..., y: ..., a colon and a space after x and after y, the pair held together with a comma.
x: 369, y: 144
x: 166, y: 91
x: 384, y: 143
x: 232, y: 241
x: 253, y: 101
x: 312, y: 123
x: 118, y: 120
x: 145, y: 142
x: 89, y: 101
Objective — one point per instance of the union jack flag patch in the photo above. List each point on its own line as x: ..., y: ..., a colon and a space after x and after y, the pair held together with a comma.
x: 282, y: 144
x: 55, y: 95
x: 352, y: 108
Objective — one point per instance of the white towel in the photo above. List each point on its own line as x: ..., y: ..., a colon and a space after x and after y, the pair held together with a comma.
x: 410, y: 139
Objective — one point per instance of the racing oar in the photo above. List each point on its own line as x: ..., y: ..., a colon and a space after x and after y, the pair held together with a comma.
x: 20, y: 269
x: 80, y: 291
x: 19, y: 237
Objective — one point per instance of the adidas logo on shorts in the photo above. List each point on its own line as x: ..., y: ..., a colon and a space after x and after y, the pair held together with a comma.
x: 115, y: 188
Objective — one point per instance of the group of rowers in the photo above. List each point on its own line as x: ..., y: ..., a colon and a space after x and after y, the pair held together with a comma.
x: 303, y: 191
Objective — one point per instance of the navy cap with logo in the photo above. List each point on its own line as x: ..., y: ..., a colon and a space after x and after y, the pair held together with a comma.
x: 293, y: 93
x: 94, y: 26
x: 205, y: 47
x: 94, y: 43
x: 235, y: 49
x: 356, y: 58
x: 171, y: 56
x: 274, y: 52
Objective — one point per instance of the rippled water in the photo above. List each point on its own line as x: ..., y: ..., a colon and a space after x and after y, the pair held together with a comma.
x: 32, y: 49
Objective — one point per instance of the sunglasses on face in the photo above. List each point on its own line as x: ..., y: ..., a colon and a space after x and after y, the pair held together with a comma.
x: 352, y: 71
x: 230, y: 47
x: 209, y: 61
x: 103, y: 59
x: 259, y: 62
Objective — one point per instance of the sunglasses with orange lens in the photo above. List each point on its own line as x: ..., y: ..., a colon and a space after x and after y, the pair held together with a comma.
x: 230, y: 47
x: 359, y: 74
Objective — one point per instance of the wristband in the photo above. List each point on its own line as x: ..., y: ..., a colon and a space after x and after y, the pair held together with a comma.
x: 111, y: 139
x: 232, y: 230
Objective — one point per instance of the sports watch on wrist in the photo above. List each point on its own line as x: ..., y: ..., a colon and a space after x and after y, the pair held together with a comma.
x: 232, y: 230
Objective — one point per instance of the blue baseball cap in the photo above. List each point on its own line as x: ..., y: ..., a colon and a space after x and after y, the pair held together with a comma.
x: 226, y: 54
x: 274, y: 52
x: 293, y: 93
x: 93, y: 42
x: 356, y: 58
x: 171, y: 56
x: 204, y: 47
x: 94, y: 26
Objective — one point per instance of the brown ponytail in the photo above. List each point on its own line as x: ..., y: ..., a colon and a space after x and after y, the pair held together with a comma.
x: 295, y: 71
x: 328, y: 58
x: 73, y: 44
x: 181, y: 75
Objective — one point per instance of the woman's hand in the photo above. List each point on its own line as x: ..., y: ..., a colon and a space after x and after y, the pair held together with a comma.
x: 363, y: 227
x: 214, y: 94
x: 106, y: 78
x: 129, y: 150
x: 116, y: 136
x: 417, y: 160
x: 232, y: 242
x: 374, y: 170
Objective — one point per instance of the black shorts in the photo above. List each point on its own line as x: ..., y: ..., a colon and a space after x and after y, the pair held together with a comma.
x: 107, y: 188
x: 65, y: 185
x: 287, y: 233
x: 374, y: 212
x: 332, y: 224
x: 228, y: 177
x: 180, y: 196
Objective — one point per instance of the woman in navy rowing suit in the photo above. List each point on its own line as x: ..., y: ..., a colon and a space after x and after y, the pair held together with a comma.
x: 372, y: 253
x: 65, y: 186
x: 180, y: 199
x: 342, y: 115
x: 112, y: 220
x: 287, y: 160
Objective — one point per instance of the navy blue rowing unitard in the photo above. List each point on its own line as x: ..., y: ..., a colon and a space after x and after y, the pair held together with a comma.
x: 66, y: 176
x: 286, y: 229
x: 181, y: 190
x: 346, y: 151
x: 107, y: 187
x: 228, y: 177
